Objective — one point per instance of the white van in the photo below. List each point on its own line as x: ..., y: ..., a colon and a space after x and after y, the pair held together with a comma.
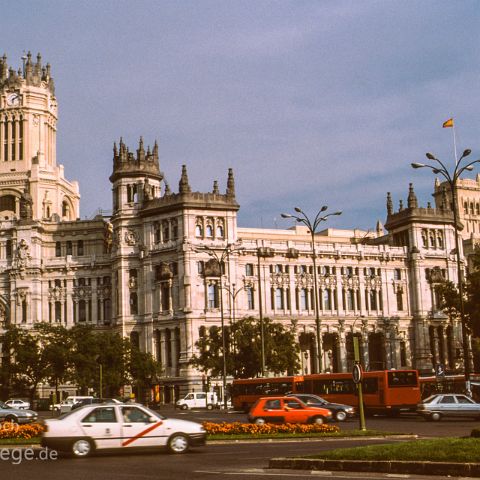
x: 206, y: 400
x: 67, y: 404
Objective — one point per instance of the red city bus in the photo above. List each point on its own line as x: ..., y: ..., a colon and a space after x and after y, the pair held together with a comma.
x: 384, y: 391
x: 246, y: 391
x: 449, y: 384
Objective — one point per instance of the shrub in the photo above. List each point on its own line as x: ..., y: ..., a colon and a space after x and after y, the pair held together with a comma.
x: 12, y: 430
x: 475, y: 433
x: 236, y: 428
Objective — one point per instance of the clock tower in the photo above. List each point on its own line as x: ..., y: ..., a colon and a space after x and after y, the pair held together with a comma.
x: 28, y: 128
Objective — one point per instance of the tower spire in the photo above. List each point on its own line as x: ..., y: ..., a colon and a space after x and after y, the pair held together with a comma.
x: 389, y: 204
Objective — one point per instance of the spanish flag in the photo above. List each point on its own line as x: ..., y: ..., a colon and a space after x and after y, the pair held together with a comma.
x: 448, y: 123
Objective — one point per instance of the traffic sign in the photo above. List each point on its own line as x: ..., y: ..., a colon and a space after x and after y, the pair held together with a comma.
x: 357, y: 373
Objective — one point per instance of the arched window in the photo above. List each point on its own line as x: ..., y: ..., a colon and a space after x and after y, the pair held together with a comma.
x: 65, y: 209
x: 198, y: 231
x: 209, y: 231
x: 219, y: 231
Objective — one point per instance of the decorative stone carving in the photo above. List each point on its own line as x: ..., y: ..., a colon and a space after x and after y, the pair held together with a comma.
x: 130, y: 237
x: 212, y: 268
x: 22, y: 255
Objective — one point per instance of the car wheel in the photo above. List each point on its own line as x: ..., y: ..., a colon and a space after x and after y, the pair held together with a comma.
x: 11, y: 419
x: 435, y: 416
x: 82, y: 448
x: 178, y: 443
x: 318, y: 420
x: 259, y: 421
x: 341, y: 416
x: 209, y: 406
x: 184, y: 407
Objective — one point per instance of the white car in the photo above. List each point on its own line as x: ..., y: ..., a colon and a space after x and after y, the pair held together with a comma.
x: 18, y: 403
x: 122, y: 426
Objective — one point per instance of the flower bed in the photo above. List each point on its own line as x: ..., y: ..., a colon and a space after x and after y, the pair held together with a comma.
x: 12, y: 430
x: 236, y: 428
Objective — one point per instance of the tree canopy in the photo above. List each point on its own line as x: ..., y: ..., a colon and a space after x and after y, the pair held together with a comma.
x: 244, y: 349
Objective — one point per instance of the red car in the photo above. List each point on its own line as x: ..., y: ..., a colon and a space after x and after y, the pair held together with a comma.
x: 286, y: 410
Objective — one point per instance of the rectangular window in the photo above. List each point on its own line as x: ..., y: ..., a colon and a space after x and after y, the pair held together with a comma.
x: 279, y: 298
x: 250, y: 298
x: 249, y: 269
x: 212, y: 296
x: 397, y: 274
x: 327, y: 299
x: 303, y: 299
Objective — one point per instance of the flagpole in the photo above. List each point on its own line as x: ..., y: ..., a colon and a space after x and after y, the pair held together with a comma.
x: 455, y: 145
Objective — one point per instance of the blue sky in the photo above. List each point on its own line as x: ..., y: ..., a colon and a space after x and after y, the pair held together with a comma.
x: 310, y: 102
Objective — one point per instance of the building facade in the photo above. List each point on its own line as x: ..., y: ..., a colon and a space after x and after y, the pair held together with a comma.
x: 146, y: 271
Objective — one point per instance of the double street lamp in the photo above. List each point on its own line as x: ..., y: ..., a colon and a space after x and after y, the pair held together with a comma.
x: 220, y: 255
x: 440, y: 169
x: 313, y: 228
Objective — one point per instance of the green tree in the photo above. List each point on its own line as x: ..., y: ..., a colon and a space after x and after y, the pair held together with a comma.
x: 244, y: 349
x: 143, y: 369
x: 27, y: 363
x: 450, y: 302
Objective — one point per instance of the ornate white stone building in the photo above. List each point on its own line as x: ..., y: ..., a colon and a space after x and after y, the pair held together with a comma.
x: 143, y: 273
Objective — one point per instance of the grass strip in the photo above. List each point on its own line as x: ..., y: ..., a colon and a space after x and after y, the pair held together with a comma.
x: 19, y: 441
x: 347, y: 434
x: 461, y: 450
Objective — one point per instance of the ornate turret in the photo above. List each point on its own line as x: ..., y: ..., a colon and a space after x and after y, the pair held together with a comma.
x: 215, y: 191
x: 33, y: 74
x: 144, y: 164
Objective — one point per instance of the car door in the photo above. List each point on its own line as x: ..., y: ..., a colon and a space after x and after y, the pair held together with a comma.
x: 103, y: 426
x: 140, y: 428
x: 273, y: 411
x: 447, y: 405
x: 295, y: 411
x: 467, y: 407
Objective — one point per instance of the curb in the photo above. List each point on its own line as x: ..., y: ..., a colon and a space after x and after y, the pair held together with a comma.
x: 307, y: 439
x: 379, y: 466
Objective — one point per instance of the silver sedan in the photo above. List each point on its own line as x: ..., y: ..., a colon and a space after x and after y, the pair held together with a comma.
x: 15, y: 415
x: 448, y: 405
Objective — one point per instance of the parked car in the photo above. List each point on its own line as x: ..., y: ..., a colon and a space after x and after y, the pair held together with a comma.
x: 438, y: 406
x: 90, y: 401
x: 206, y: 400
x: 286, y: 410
x: 68, y: 403
x: 339, y: 411
x: 120, y: 427
x: 16, y: 415
x: 18, y: 403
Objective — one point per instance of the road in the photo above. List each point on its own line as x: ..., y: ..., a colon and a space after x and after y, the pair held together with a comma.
x: 240, y: 461
x: 227, y: 460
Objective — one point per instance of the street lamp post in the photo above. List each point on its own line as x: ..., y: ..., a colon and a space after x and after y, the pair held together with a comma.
x: 233, y: 292
x: 452, y: 179
x: 220, y: 261
x: 313, y: 228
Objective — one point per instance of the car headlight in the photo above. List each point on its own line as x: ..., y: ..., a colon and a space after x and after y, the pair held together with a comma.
x: 349, y: 410
x: 28, y: 414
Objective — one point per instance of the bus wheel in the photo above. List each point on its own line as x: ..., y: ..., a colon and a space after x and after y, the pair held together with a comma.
x: 341, y: 416
x: 318, y: 420
x: 435, y: 416
x: 259, y: 421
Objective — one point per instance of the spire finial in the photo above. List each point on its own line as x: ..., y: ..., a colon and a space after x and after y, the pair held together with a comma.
x: 184, y: 186
x: 216, y: 191
x: 389, y: 204
x: 230, y: 184
x: 412, y: 201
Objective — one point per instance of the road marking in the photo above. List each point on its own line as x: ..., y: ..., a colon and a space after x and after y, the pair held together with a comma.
x: 398, y: 475
x: 141, y: 434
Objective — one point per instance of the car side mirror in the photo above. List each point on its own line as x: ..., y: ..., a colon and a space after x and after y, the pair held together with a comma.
x: 153, y: 420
